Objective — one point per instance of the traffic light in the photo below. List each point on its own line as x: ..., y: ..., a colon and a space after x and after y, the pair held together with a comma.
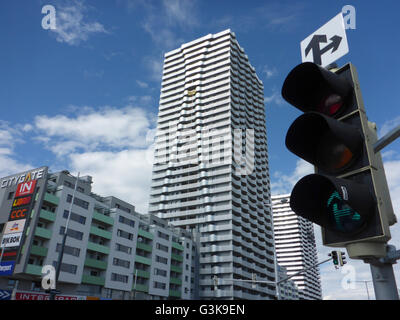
x: 342, y: 258
x: 348, y: 194
x: 335, y: 259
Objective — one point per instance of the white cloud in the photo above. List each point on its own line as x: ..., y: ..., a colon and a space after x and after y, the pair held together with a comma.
x: 125, y: 174
x: 389, y: 125
x: 161, y: 35
x: 114, y: 146
x: 181, y: 12
x: 282, y: 183
x: 106, y: 128
x: 9, y: 138
x: 142, y: 84
x: 269, y: 72
x: 275, y: 98
x: 155, y: 67
x: 71, y: 27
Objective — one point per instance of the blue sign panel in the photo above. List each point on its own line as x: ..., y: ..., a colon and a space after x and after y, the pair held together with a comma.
x: 5, y: 295
x: 7, y: 268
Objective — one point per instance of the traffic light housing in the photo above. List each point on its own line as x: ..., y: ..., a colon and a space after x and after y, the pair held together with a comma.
x: 348, y: 194
x: 342, y: 258
x: 335, y: 259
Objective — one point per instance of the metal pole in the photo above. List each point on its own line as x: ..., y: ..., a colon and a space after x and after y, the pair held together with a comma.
x: 383, y: 276
x: 387, y: 139
x: 384, y: 282
x: 14, y: 292
x: 134, y: 286
x: 61, y: 254
x: 366, y: 287
x: 301, y: 271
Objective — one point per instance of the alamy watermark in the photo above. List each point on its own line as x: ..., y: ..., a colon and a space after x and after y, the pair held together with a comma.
x: 48, y: 277
x: 349, y: 16
x: 49, y: 20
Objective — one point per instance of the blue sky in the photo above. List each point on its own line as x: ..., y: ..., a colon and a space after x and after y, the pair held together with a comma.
x: 84, y: 97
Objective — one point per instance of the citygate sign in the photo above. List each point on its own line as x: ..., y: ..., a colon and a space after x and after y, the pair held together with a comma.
x: 24, y: 177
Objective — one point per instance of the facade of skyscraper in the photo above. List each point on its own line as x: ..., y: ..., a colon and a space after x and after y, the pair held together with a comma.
x: 210, y: 171
x: 295, y: 247
x: 111, y: 251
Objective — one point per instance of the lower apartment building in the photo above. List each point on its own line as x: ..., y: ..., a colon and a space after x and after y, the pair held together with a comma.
x: 296, y: 248
x: 111, y: 251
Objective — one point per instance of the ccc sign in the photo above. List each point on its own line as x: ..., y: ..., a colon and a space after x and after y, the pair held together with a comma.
x: 19, y: 213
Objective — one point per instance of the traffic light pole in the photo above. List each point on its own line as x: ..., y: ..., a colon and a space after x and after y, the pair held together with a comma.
x: 383, y: 276
x: 382, y: 268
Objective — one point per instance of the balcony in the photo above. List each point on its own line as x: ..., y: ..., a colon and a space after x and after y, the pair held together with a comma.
x: 51, y: 198
x: 47, y: 215
x: 144, y: 246
x: 100, y: 281
x: 34, y: 269
x: 176, y: 257
x: 97, y: 264
x: 141, y: 273
x: 176, y: 268
x: 39, y: 251
x: 177, y: 246
x: 98, y: 248
x: 43, y: 233
x: 145, y: 234
x: 141, y: 287
x: 174, y: 293
x: 103, y: 218
x: 101, y: 233
x: 175, y: 281
x: 143, y: 260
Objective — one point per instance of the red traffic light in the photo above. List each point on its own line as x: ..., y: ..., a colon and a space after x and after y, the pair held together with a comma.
x: 310, y: 87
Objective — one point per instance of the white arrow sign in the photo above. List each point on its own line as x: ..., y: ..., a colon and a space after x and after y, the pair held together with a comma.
x: 327, y: 44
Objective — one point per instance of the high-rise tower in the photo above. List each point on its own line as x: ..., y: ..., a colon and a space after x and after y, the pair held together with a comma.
x: 296, y: 248
x: 210, y: 171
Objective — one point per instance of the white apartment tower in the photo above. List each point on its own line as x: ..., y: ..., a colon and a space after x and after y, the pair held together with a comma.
x: 295, y: 247
x: 210, y: 171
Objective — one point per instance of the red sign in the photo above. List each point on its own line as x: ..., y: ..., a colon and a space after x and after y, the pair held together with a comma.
x: 25, y: 188
x: 19, y: 213
x: 43, y: 296
x: 21, y: 201
x: 9, y: 254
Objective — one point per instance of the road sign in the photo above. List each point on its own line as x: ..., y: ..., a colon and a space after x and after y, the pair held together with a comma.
x: 327, y: 44
x: 5, y: 295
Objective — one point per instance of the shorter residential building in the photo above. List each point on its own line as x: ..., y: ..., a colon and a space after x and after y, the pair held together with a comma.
x: 111, y: 251
x: 295, y: 248
x: 287, y: 289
